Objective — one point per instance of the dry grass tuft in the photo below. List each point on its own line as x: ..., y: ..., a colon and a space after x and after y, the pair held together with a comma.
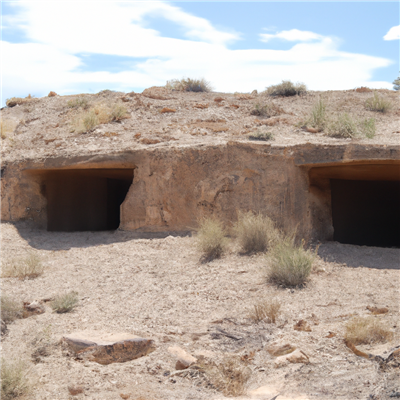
x: 255, y: 232
x: 367, y: 330
x: 268, y: 309
x: 28, y: 268
x: 7, y: 126
x: 286, y: 88
x: 14, y: 101
x: 10, y: 309
x: 290, y: 264
x: 14, y: 379
x: 378, y: 103
x: 346, y: 127
x: 82, y: 102
x: 189, y: 85
x: 211, y: 238
x: 230, y: 376
x: 64, y: 303
x: 268, y: 110
x: 363, y: 89
x: 262, y: 136
x: 317, y: 118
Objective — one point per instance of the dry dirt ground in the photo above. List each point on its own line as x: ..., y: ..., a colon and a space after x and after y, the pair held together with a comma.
x: 42, y: 128
x: 157, y: 288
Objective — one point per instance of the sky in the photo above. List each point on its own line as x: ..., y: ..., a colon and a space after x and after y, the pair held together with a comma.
x: 88, y: 46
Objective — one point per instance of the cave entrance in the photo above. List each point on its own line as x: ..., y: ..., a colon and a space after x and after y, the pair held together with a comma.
x: 362, y: 201
x: 85, y: 199
x: 366, y: 212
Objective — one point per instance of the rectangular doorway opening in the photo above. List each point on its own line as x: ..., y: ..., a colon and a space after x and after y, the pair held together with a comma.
x: 85, y: 199
x: 366, y: 212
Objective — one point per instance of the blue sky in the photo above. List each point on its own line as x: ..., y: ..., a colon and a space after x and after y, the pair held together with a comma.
x: 86, y: 46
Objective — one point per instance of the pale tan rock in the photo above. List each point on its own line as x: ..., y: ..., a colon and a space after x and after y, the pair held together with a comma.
x: 105, y: 348
x: 278, y: 349
x: 33, y: 308
x: 75, y: 390
x: 296, y: 357
x: 184, y: 359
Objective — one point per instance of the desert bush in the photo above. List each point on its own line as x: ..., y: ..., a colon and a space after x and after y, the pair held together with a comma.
x: 189, y: 85
x: 396, y: 83
x: 82, y: 102
x: 64, y: 303
x: 378, y: 103
x: 230, y: 376
x: 254, y: 232
x: 367, y: 330
x: 290, y: 264
x: 10, y: 309
x: 29, y: 267
x: 211, y: 238
x: 14, y: 101
x: 118, y: 112
x: 267, y: 110
x: 318, y: 117
x: 263, y: 136
x: 269, y: 308
x: 343, y: 126
x: 14, y: 379
x: 286, y: 88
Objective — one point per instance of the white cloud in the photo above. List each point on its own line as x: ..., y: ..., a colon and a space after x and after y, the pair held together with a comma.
x: 58, y: 32
x: 294, y: 35
x: 393, y: 34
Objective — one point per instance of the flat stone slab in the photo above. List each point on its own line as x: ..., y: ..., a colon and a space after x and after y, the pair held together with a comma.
x: 107, y: 348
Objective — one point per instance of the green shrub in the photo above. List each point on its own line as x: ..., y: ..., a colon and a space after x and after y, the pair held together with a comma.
x: 254, y: 232
x: 286, y: 88
x: 264, y: 136
x: 64, y: 303
x: 30, y: 267
x: 367, y: 127
x: 378, y: 103
x: 82, y: 102
x: 211, y: 238
x: 343, y: 126
x: 10, y: 309
x: 317, y: 118
x: 289, y: 264
x: 367, y: 330
x: 396, y: 83
x: 14, y: 379
x: 118, y: 112
x: 189, y: 85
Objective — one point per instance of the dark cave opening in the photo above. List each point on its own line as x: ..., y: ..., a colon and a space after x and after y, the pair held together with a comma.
x: 85, y: 199
x: 366, y: 212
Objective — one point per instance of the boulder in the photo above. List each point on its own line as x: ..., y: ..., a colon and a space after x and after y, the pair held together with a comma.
x: 184, y: 359
x: 107, y: 348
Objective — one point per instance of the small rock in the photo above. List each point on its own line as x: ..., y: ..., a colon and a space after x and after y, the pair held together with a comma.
x: 184, y: 359
x: 302, y: 325
x: 276, y: 349
x: 312, y: 130
x: 377, y: 310
x: 75, y: 390
x: 105, y: 348
x: 296, y: 357
x: 218, y: 99
x: 254, y: 92
x: 33, y: 308
x: 52, y: 94
x: 167, y: 110
x: 124, y: 396
x: 3, y: 327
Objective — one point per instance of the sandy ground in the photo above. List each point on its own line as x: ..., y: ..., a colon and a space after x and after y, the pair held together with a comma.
x: 157, y: 288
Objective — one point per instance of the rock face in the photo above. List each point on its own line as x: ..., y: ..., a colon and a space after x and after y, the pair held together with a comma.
x: 105, y: 348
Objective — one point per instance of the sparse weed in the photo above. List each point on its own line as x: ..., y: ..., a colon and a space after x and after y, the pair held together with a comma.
x: 64, y: 303
x: 290, y: 264
x: 30, y: 267
x: 189, y: 85
x: 367, y: 330
x: 254, y: 232
x: 264, y: 136
x: 230, y: 376
x: 14, y: 379
x: 90, y: 121
x: 378, y: 103
x: 211, y: 238
x: 10, y: 309
x: 317, y: 118
x: 118, y: 112
x: 343, y: 126
x: 267, y: 110
x: 82, y: 102
x: 286, y: 88
x: 367, y: 127
x: 266, y: 309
